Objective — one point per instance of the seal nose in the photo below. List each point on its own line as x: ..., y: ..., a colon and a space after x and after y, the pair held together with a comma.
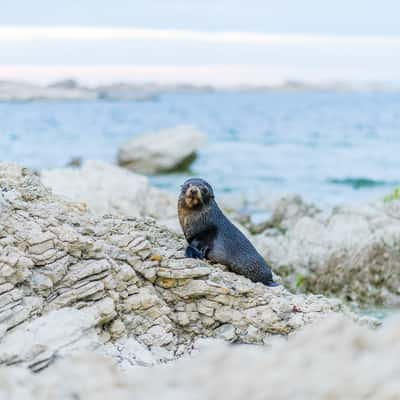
x: 193, y: 191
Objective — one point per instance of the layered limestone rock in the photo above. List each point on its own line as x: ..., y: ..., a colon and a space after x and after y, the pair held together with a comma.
x: 331, y: 359
x: 72, y: 281
x: 164, y: 151
x: 349, y: 251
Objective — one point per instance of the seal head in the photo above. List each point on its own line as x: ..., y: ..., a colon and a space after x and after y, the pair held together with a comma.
x: 196, y: 193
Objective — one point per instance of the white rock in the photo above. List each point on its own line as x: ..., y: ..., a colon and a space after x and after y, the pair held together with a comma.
x: 163, y: 151
x: 332, y: 359
x: 226, y: 332
x: 348, y: 251
x: 109, y: 189
x: 57, y: 333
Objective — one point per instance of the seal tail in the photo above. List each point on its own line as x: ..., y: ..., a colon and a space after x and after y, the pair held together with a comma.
x: 267, y: 278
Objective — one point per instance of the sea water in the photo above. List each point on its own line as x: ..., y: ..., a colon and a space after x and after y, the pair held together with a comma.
x: 329, y: 147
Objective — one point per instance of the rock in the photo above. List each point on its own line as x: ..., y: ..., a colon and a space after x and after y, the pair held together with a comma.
x: 38, y: 342
x: 350, y: 251
x: 74, y: 162
x: 72, y: 281
x: 108, y: 189
x: 124, y: 91
x: 65, y: 84
x: 84, y: 375
x: 128, y: 352
x: 22, y: 91
x: 313, y: 364
x: 286, y: 211
x: 289, y: 209
x: 69, y: 89
x: 164, y: 151
x: 344, y: 368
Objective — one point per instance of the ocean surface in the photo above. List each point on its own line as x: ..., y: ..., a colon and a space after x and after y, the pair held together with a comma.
x: 329, y: 147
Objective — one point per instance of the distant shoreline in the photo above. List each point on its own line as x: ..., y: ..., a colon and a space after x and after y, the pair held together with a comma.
x: 70, y: 89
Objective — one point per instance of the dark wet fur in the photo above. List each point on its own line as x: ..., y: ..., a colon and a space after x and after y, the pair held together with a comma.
x: 212, y: 236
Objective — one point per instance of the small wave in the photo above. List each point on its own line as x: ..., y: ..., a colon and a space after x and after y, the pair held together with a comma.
x: 360, y: 183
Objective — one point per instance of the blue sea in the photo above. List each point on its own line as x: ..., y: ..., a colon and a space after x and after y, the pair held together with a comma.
x: 330, y: 147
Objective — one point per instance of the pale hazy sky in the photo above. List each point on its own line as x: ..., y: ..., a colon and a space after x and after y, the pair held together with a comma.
x: 315, y: 16
x: 205, y: 41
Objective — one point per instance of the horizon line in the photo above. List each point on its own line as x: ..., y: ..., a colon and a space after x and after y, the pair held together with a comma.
x: 71, y: 32
x: 211, y: 74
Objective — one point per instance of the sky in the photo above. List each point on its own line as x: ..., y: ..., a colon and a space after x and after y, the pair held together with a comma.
x: 217, y: 42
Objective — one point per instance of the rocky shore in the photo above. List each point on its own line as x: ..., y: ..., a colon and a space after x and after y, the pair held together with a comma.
x: 69, y: 89
x: 335, y: 359
x: 94, y: 287
x: 72, y: 90
x: 351, y: 252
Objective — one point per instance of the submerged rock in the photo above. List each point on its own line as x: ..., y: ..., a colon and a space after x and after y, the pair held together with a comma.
x: 164, y: 151
x: 75, y: 162
x: 115, y: 279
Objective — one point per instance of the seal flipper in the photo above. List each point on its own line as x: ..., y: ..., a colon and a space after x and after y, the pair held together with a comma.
x: 194, y: 250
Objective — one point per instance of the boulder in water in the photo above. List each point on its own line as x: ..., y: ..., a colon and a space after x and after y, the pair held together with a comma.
x: 164, y: 151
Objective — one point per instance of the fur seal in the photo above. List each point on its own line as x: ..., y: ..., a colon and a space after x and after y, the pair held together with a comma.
x: 212, y: 236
